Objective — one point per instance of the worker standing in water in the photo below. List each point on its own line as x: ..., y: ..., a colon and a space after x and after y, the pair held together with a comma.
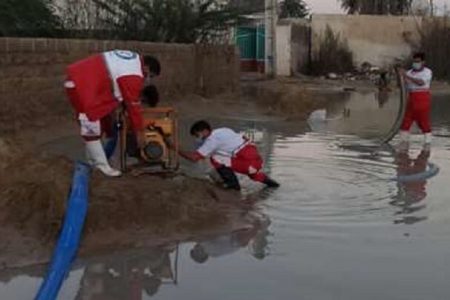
x: 229, y: 152
x: 418, y: 81
x: 97, y: 85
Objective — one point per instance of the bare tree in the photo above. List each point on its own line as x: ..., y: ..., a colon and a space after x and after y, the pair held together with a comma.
x: 376, y: 7
x: 182, y: 21
x: 79, y: 14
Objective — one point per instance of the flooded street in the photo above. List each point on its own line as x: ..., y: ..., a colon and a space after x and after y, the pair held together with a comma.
x: 352, y: 220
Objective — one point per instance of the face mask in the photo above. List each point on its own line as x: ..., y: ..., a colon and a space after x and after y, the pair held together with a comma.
x: 417, y: 66
x: 199, y: 140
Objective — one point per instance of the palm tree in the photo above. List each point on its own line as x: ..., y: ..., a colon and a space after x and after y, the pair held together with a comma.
x: 293, y: 9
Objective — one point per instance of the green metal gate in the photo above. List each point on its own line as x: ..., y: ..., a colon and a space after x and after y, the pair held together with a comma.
x: 251, y: 43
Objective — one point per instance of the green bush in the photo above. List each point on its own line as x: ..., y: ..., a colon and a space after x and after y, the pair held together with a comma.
x: 333, y: 55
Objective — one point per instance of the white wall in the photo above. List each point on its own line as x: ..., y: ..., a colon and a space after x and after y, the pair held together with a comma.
x: 283, y: 50
x: 292, y: 46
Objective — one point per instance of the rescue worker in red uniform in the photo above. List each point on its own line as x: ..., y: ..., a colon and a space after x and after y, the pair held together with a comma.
x: 229, y: 152
x: 418, y: 81
x: 97, y: 86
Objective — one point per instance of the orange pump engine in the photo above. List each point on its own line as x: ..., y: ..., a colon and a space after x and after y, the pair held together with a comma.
x: 161, y: 126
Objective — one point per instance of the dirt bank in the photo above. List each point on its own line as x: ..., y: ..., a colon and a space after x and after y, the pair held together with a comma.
x: 123, y: 212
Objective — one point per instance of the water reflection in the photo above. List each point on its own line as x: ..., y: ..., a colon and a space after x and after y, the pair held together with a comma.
x: 411, y: 193
x: 367, y: 115
x: 130, y: 275
x: 133, y: 274
x: 382, y: 97
x: 8, y: 275
x: 255, y: 238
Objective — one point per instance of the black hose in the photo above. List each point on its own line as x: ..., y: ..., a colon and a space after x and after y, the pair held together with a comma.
x: 401, y: 112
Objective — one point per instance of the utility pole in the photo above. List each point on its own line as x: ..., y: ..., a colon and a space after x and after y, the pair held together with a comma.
x: 431, y: 8
x: 270, y: 40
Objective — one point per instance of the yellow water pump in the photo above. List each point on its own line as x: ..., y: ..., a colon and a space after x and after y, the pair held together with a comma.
x: 161, y: 128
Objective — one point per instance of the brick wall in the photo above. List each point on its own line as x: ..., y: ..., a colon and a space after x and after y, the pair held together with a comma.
x: 32, y: 72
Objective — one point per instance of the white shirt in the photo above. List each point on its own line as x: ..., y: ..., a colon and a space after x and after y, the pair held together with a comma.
x: 222, y: 144
x: 426, y: 75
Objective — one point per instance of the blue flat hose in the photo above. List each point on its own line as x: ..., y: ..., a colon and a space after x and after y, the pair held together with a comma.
x: 69, y: 238
x: 431, y: 171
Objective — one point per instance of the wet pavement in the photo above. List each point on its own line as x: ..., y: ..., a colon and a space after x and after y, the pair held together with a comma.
x: 352, y: 220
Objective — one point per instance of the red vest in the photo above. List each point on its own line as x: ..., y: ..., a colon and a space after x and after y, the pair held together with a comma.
x: 99, y: 82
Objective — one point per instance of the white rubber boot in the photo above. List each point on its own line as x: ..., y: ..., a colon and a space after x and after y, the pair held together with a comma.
x: 96, y: 157
x: 427, y: 138
x: 404, y: 136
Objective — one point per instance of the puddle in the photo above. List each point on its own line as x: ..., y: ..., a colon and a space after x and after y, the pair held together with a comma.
x: 339, y: 227
x: 367, y: 115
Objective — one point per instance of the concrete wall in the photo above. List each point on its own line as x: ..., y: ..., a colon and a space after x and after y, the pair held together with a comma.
x: 32, y: 73
x: 283, y: 50
x: 301, y: 43
x: 292, y: 47
x: 378, y: 40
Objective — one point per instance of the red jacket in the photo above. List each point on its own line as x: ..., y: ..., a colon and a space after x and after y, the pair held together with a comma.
x: 103, y: 81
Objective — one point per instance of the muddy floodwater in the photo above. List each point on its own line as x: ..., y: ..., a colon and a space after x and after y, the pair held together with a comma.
x: 351, y: 221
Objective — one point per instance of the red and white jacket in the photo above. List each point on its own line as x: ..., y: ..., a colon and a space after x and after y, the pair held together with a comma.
x: 425, y: 74
x: 101, y: 82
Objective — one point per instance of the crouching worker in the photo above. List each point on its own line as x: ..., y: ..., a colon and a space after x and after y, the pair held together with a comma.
x: 99, y: 84
x: 229, y: 152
